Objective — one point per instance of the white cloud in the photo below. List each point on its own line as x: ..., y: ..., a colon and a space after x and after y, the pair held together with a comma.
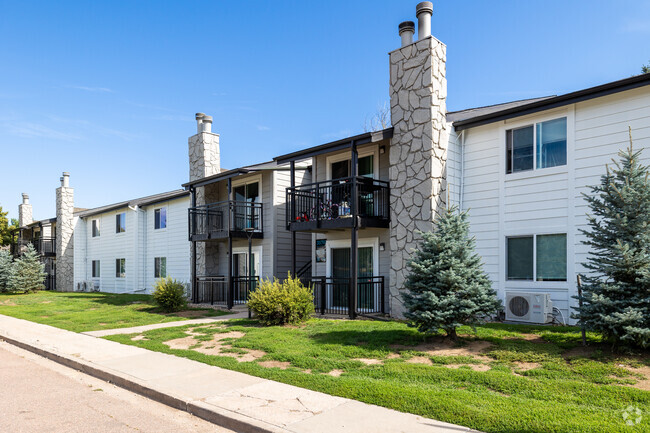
x: 91, y: 89
x: 263, y: 128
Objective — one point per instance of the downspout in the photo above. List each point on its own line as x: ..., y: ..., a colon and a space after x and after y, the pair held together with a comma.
x: 462, y: 169
x: 139, y: 285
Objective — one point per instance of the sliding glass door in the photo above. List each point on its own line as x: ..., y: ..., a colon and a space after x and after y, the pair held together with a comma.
x: 341, y: 276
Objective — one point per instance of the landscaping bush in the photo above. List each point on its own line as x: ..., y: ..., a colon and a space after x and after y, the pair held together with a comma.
x: 6, y: 269
x: 169, y: 294
x: 279, y: 303
x: 446, y: 285
x: 28, y: 273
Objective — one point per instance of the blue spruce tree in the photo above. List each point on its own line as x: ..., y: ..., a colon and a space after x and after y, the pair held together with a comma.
x: 616, y: 294
x: 446, y: 285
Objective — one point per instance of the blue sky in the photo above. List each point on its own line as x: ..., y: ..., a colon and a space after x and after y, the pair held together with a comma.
x: 107, y: 90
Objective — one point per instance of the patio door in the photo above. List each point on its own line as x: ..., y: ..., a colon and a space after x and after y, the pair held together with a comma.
x: 341, y: 276
x: 241, y: 263
x: 244, y: 214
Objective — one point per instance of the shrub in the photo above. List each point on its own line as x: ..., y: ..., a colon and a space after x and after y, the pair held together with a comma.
x: 6, y: 269
x: 447, y: 286
x: 279, y: 303
x: 169, y: 294
x: 28, y: 272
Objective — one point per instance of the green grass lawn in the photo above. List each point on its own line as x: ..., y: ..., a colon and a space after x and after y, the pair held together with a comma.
x: 504, y: 378
x: 81, y: 312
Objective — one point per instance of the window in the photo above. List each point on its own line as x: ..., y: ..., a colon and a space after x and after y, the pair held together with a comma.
x: 95, y: 228
x: 160, y: 217
x: 536, y: 146
x: 539, y: 258
x: 160, y: 267
x: 365, y: 167
x: 95, y: 270
x: 120, y: 222
x: 120, y: 268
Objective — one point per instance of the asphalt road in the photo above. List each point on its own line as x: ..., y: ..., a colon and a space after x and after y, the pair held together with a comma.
x: 39, y: 395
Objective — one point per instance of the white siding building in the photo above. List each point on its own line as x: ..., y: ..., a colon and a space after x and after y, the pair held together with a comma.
x: 127, y: 246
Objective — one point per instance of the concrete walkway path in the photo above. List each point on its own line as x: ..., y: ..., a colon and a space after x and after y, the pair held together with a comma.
x: 230, y: 399
x: 143, y: 328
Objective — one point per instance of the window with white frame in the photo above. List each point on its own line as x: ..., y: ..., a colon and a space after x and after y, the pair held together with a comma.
x: 160, y: 267
x: 95, y: 269
x: 120, y: 222
x: 536, y: 146
x: 536, y: 258
x: 95, y: 228
x: 160, y: 218
x: 120, y: 268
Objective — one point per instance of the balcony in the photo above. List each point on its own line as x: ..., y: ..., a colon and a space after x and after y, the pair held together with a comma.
x: 225, y: 219
x: 217, y: 290
x: 340, y: 203
x: 44, y: 246
x: 332, y: 295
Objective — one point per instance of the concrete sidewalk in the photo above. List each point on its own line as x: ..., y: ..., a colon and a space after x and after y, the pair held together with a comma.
x: 144, y: 328
x: 233, y: 400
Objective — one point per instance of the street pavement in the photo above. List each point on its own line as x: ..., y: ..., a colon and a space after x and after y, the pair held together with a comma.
x: 38, y: 395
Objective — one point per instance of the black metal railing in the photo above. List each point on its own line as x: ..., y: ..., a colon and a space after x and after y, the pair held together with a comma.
x: 331, y: 295
x: 335, y: 200
x: 45, y: 245
x: 218, y: 220
x: 217, y: 290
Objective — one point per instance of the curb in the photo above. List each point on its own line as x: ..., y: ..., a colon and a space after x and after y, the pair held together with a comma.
x: 221, y: 417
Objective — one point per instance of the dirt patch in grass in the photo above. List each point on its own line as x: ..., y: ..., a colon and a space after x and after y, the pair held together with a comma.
x: 282, y: 365
x: 393, y: 356
x: 475, y: 349
x: 525, y: 366
x: 8, y: 303
x: 475, y: 367
x: 216, y: 346
x: 643, y: 384
x: 420, y: 360
x: 579, y: 351
x: 46, y: 302
x: 335, y: 373
x: 139, y: 338
x: 369, y: 361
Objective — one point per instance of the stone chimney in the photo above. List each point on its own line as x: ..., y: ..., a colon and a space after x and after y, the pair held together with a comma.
x: 64, y: 234
x: 204, y: 149
x: 25, y: 215
x: 418, y: 151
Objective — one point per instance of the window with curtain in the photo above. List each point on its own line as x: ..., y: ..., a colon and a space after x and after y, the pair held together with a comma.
x: 95, y: 228
x: 160, y: 218
x: 120, y: 268
x: 120, y: 222
x: 520, y: 258
x: 537, y: 146
x: 160, y: 267
x: 551, y: 143
x: 95, y: 269
x: 551, y: 257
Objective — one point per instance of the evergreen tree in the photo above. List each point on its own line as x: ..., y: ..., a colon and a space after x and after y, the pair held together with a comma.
x: 446, y: 285
x: 616, y: 293
x: 28, y: 272
x: 6, y: 268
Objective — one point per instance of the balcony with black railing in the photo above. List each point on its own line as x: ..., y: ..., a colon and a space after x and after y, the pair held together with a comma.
x: 219, y: 290
x: 332, y: 295
x: 45, y: 246
x: 338, y: 203
x: 225, y: 219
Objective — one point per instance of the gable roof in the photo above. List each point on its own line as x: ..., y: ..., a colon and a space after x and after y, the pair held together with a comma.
x: 481, y: 116
x: 223, y: 175
x: 142, y: 201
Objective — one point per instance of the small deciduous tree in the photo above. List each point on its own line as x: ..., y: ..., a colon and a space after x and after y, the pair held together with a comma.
x: 6, y: 270
x: 446, y: 285
x: 7, y: 228
x: 616, y: 293
x: 28, y: 272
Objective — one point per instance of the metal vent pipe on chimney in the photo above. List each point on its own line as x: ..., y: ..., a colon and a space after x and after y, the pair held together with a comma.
x: 199, y: 120
x: 65, y: 180
x: 206, y: 126
x: 423, y: 12
x: 25, y: 198
x: 406, y: 31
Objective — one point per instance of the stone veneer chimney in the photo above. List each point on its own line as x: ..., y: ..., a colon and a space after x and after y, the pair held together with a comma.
x: 25, y: 214
x: 418, y: 151
x: 64, y: 234
x: 205, y: 161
